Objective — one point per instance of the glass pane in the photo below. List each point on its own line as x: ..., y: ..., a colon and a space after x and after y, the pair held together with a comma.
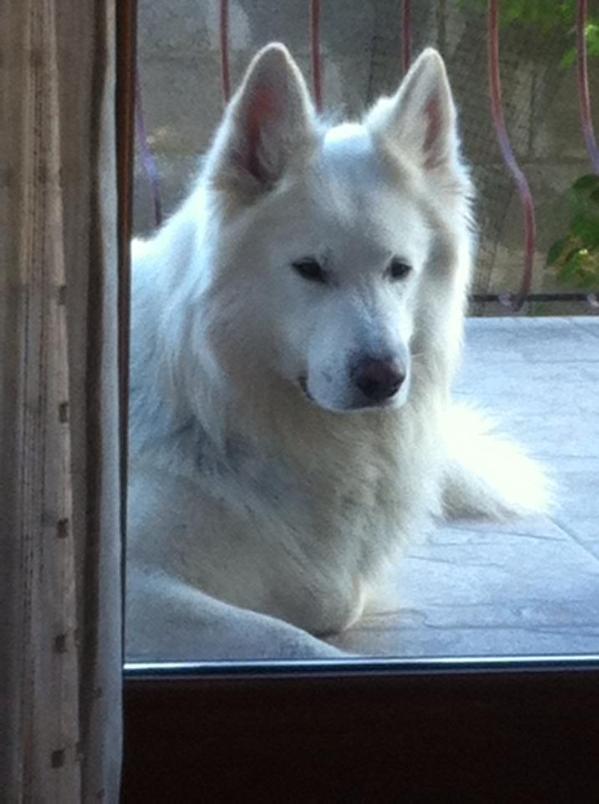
x: 302, y: 486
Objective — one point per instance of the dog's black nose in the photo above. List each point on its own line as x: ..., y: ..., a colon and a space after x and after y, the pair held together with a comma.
x: 378, y: 379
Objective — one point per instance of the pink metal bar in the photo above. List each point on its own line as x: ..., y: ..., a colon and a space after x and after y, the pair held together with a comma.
x: 584, y: 94
x: 406, y: 35
x: 315, y: 50
x: 147, y: 157
x: 224, y: 50
x: 508, y: 155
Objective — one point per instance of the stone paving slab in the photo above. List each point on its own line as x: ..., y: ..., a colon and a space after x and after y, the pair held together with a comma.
x: 529, y: 586
x: 545, y: 340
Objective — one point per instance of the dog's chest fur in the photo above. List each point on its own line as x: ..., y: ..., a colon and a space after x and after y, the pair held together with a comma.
x: 262, y: 527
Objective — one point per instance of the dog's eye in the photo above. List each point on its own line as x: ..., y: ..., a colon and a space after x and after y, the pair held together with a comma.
x: 398, y: 268
x: 311, y: 269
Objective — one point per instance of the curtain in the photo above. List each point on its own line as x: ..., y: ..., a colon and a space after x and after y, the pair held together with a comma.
x: 60, y: 410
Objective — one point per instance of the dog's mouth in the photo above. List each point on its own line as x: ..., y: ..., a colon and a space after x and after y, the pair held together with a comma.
x: 303, y: 384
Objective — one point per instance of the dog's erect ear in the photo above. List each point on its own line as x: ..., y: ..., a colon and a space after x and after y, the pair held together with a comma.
x: 268, y: 128
x: 419, y: 121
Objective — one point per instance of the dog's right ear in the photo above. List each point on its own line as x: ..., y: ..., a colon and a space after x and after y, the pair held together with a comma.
x: 269, y: 126
x: 419, y: 121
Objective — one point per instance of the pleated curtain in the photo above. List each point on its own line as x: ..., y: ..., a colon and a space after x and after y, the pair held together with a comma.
x: 61, y: 399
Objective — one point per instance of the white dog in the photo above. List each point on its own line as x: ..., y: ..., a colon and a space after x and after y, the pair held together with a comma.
x: 296, y: 328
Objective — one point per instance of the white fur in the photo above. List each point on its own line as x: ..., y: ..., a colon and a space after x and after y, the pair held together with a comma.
x: 257, y: 473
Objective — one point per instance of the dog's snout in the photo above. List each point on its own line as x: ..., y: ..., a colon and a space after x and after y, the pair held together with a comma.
x: 378, y: 379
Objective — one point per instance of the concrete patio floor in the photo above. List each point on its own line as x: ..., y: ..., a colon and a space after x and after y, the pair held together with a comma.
x: 532, y: 586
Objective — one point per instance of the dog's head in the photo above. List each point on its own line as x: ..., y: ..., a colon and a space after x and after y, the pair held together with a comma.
x: 327, y: 236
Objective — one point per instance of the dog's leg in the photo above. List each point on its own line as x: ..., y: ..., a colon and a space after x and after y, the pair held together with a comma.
x: 486, y: 475
x: 168, y: 620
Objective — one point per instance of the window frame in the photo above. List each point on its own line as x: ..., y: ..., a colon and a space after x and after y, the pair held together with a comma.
x: 517, y: 729
x: 484, y: 730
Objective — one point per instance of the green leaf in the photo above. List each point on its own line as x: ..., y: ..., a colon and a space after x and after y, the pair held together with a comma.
x: 590, y: 283
x: 556, y: 251
x: 582, y: 198
x: 570, y: 269
x: 591, y: 33
x: 568, y: 59
x: 587, y: 230
x: 586, y: 183
x: 581, y: 269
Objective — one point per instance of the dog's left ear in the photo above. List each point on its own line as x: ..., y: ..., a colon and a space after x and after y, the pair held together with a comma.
x: 419, y: 121
x: 268, y: 127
